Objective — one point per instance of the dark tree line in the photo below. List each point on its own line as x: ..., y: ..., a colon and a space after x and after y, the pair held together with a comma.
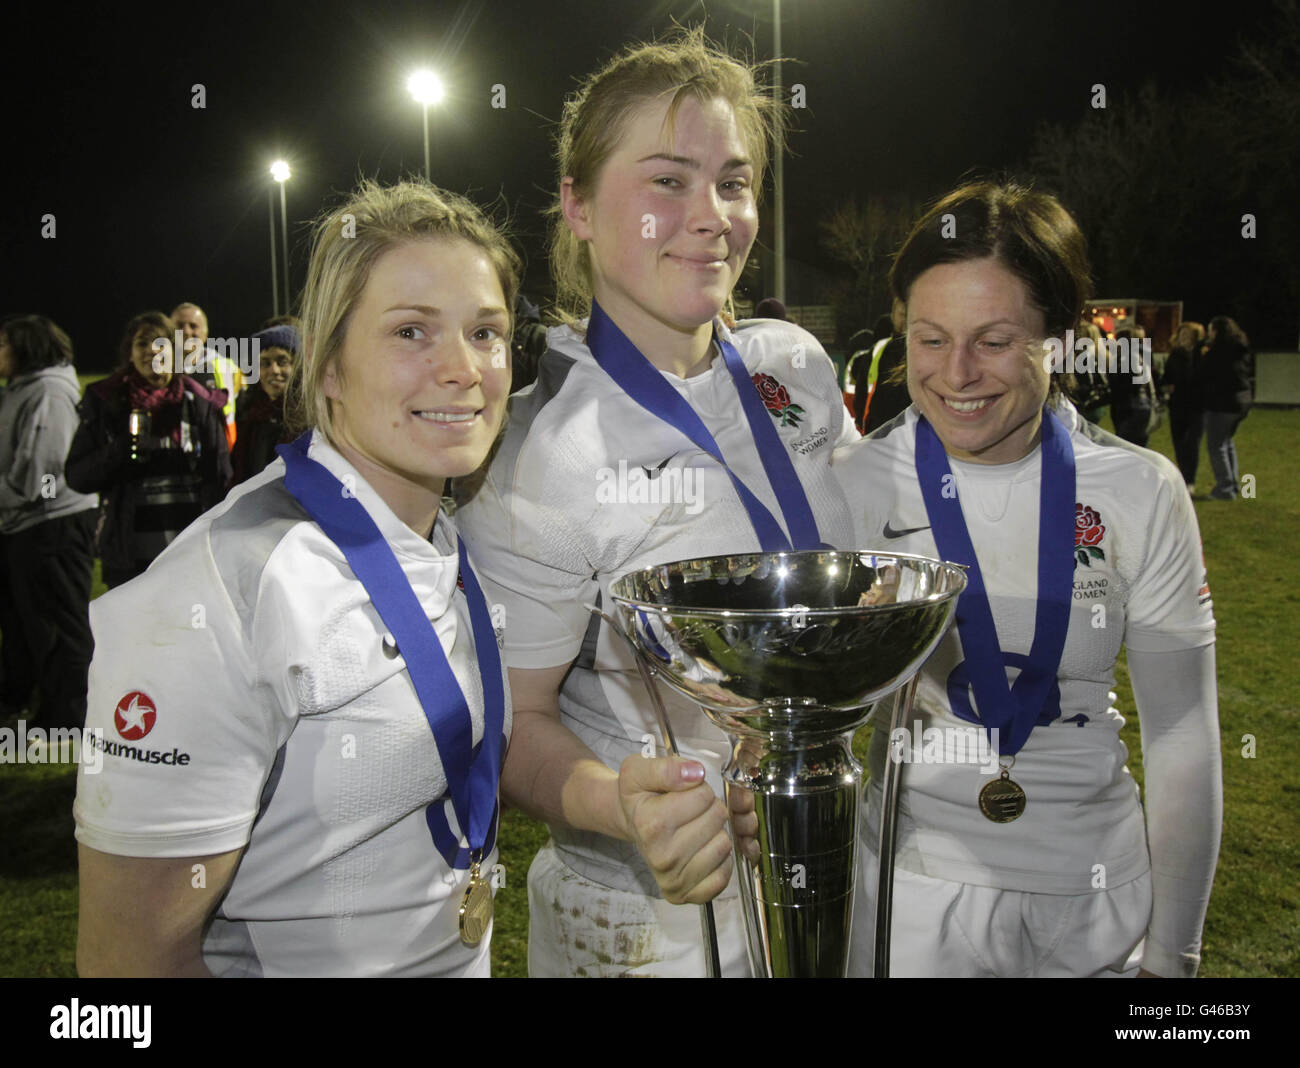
x: 1168, y: 185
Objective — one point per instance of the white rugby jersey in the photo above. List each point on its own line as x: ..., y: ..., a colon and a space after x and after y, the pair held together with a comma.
x: 1139, y: 580
x: 251, y: 661
x: 588, y: 486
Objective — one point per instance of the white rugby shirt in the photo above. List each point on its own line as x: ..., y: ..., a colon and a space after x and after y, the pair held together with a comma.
x: 255, y: 653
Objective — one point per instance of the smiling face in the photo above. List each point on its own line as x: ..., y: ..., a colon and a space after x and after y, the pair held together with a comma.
x: 148, y: 346
x: 975, y: 360
x: 671, y: 220
x: 425, y: 372
x: 274, y: 367
x: 192, y: 322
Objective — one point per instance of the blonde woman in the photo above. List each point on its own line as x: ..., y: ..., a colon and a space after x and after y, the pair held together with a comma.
x: 655, y: 432
x: 302, y: 705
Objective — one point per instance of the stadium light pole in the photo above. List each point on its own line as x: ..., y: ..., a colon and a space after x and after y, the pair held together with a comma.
x: 280, y: 172
x: 427, y: 88
x: 275, y: 281
x: 778, y: 169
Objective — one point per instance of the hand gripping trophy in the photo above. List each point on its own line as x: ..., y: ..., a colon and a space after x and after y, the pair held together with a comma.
x: 789, y: 656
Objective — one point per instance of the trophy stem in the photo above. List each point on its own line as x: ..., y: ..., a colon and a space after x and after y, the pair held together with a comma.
x: 889, y: 832
x: 798, y: 893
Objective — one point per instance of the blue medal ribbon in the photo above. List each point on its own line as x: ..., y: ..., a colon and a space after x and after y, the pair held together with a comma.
x: 472, y: 772
x: 618, y: 357
x: 1013, y: 710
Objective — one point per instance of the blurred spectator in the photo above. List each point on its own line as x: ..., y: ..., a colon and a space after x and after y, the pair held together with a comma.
x: 859, y: 349
x: 1227, y: 381
x: 1183, y: 399
x: 1132, y: 406
x: 47, y: 531
x: 770, y: 308
x: 217, y: 371
x: 259, y: 412
x: 882, y: 383
x: 1087, y: 387
x: 152, y: 444
x: 527, y: 343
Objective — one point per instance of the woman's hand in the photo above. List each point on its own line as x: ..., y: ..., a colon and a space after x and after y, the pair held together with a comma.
x: 679, y: 826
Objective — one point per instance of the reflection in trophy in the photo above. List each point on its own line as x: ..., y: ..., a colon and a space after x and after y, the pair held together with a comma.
x: 788, y: 653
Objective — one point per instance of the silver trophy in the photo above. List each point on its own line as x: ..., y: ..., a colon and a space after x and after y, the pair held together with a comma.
x: 788, y: 653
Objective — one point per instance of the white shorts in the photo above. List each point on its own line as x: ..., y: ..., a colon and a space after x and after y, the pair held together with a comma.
x: 580, y: 928
x: 959, y: 930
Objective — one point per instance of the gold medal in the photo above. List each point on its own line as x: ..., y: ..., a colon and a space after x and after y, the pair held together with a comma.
x: 475, y: 907
x: 1002, y: 800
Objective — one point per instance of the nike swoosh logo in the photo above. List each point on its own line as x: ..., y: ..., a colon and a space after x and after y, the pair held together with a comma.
x: 890, y: 532
x: 659, y: 470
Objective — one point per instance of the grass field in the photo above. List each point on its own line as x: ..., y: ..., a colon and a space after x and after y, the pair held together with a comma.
x: 1253, y: 927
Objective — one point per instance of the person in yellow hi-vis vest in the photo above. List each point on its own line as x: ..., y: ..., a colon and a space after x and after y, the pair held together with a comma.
x: 217, y: 371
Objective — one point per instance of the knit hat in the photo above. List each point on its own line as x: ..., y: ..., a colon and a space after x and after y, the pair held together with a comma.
x: 280, y: 337
x: 770, y: 308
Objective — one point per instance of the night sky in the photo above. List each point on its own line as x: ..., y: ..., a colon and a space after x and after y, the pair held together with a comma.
x: 157, y: 202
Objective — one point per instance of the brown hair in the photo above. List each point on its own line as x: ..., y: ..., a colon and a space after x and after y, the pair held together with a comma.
x: 1194, y: 328
x: 153, y: 322
x: 346, y: 243
x: 37, y: 343
x: 684, y: 66
x: 1028, y: 232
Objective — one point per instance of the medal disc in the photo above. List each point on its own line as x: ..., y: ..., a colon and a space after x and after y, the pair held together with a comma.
x: 475, y: 910
x: 1002, y: 800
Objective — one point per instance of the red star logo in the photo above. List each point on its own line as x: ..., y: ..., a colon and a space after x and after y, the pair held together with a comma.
x: 134, y: 716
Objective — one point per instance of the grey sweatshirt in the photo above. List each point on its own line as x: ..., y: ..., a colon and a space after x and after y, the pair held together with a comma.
x: 38, y: 417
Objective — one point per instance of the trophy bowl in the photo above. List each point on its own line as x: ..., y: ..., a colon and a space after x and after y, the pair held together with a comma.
x: 788, y: 652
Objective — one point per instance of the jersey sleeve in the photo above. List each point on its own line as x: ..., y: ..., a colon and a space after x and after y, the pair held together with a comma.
x: 855, y: 466
x: 531, y: 565
x: 1169, y: 600
x: 1178, y: 711
x: 181, y: 736
x: 842, y: 430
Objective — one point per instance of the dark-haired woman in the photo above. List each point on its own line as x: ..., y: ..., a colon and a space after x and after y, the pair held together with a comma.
x: 1182, y: 390
x: 47, y: 530
x: 1227, y: 376
x: 152, y: 444
x: 1031, y: 855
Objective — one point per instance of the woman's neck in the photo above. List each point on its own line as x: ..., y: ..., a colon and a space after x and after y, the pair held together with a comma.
x: 414, y: 503
x: 683, y: 353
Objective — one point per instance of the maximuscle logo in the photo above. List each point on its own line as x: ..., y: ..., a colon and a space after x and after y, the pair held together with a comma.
x: 134, y: 717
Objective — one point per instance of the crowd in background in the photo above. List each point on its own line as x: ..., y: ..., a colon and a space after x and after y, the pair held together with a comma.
x: 118, y: 473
